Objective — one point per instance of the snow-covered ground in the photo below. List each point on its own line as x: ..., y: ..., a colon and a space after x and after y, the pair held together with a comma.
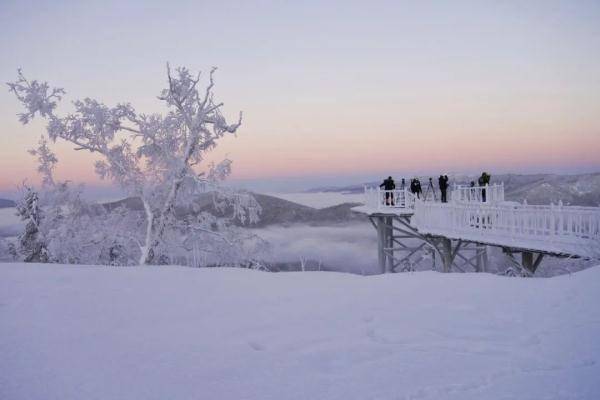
x: 69, y: 332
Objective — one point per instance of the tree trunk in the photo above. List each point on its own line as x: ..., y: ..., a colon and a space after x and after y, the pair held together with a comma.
x: 147, y: 250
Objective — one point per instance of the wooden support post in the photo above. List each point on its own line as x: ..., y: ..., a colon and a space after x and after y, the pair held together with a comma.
x: 485, y: 259
x: 537, y: 262
x: 397, y: 251
x: 527, y: 260
x: 389, y: 243
x: 446, y: 253
x: 380, y: 223
x: 385, y: 243
x: 482, y: 259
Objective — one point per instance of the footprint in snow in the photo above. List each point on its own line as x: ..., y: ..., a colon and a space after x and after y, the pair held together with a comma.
x: 256, y: 346
x: 532, y: 340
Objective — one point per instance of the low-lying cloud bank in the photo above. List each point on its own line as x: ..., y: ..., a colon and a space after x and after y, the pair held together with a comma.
x: 349, y: 247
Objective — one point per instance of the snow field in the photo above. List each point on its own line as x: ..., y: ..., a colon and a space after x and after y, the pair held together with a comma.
x: 70, y: 332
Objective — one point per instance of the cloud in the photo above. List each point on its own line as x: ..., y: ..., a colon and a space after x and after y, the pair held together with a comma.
x: 348, y: 247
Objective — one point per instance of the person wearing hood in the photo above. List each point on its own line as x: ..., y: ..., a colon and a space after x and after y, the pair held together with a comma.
x: 388, y: 185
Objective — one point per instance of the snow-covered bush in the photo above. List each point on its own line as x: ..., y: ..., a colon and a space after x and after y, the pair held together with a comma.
x: 153, y: 157
x: 31, y: 244
x: 7, y: 252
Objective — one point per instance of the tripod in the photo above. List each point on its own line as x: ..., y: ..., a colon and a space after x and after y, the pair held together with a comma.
x: 431, y: 189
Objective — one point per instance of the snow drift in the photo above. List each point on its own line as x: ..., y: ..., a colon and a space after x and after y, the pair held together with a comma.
x: 69, y: 332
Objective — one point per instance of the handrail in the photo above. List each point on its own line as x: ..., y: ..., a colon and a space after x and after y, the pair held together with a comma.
x: 478, y: 194
x: 376, y: 198
x: 561, y: 229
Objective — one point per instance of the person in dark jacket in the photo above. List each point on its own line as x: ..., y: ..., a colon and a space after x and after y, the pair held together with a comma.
x: 443, y: 183
x: 415, y: 187
x: 447, y: 185
x: 388, y: 185
x: 483, y: 181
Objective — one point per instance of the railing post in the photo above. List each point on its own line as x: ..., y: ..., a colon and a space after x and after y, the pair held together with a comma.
x: 552, y: 222
x: 560, y: 221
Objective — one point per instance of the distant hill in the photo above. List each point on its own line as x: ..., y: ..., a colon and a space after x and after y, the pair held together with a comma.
x: 276, y: 211
x: 5, y: 203
x: 581, y: 189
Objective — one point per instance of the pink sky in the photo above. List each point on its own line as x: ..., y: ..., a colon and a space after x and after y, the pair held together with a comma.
x: 415, y: 88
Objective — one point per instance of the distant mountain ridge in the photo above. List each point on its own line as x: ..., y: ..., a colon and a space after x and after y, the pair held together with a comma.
x: 275, y: 211
x: 580, y: 189
x: 5, y: 203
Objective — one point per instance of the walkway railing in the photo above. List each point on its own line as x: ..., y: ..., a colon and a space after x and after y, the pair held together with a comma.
x: 559, y: 229
x: 478, y: 194
x: 378, y: 199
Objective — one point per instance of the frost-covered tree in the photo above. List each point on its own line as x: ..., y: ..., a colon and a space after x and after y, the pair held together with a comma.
x: 31, y: 244
x: 46, y: 162
x: 154, y: 157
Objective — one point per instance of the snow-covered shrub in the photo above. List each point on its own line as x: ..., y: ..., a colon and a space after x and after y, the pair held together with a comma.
x: 7, y: 250
x: 79, y: 232
x: 31, y: 245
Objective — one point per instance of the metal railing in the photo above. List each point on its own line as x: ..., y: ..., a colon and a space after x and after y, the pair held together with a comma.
x: 478, y: 194
x: 560, y: 229
x: 378, y: 199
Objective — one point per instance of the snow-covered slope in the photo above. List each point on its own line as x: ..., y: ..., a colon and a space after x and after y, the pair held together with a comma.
x: 70, y: 332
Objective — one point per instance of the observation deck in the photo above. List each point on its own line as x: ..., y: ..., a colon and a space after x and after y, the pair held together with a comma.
x: 480, y: 215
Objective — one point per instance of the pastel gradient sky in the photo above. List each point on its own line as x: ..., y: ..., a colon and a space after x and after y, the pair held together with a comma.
x: 349, y: 89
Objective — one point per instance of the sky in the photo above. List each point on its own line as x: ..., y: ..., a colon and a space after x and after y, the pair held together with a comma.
x: 332, y: 92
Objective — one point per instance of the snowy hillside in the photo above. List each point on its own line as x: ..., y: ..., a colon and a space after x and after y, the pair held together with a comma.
x: 276, y: 209
x: 69, y: 332
x: 4, y: 203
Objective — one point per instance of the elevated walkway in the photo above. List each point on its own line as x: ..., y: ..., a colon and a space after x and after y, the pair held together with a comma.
x: 480, y: 216
x: 557, y: 230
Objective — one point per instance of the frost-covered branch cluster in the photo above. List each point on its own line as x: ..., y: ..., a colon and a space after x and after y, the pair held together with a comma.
x: 156, y: 158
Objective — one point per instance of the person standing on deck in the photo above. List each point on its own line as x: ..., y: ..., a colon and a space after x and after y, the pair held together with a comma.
x: 415, y: 187
x: 388, y: 185
x: 483, y: 181
x: 447, y: 185
x: 443, y: 183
